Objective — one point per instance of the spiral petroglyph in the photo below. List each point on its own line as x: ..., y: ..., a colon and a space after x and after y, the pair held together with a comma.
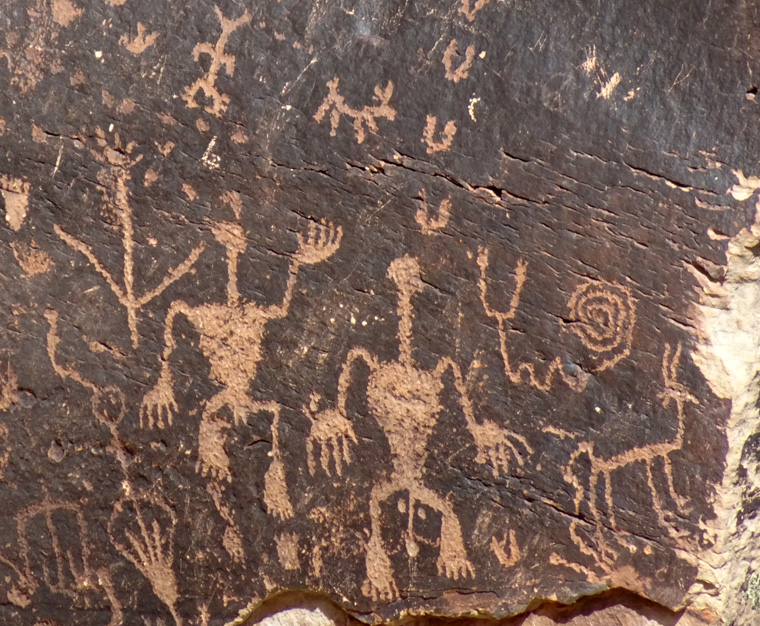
x: 603, y: 316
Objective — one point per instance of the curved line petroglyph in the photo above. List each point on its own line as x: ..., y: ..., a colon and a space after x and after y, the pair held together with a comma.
x: 463, y: 70
x: 231, y: 338
x: 602, y: 315
x: 219, y: 60
x: 364, y: 118
x: 405, y: 401
x: 428, y: 225
x: 469, y: 11
x: 428, y: 135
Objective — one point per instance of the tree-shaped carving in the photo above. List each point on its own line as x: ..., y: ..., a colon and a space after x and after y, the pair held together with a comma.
x: 114, y: 177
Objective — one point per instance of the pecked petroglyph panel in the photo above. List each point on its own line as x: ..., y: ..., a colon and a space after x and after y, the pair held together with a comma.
x: 392, y: 302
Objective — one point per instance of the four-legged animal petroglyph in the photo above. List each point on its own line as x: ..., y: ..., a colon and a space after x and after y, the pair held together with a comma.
x: 405, y: 400
x: 219, y: 59
x: 364, y: 118
x: 602, y: 315
x: 114, y: 178
x: 647, y: 455
x: 231, y: 338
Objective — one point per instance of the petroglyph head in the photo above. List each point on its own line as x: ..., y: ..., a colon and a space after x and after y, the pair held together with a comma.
x: 405, y: 272
x: 229, y: 234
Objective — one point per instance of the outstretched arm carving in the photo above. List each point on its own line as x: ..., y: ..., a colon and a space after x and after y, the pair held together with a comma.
x: 331, y: 429
x: 158, y: 405
x: 320, y: 243
x: 520, y: 275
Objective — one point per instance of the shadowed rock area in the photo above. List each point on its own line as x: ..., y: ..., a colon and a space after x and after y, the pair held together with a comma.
x: 391, y: 312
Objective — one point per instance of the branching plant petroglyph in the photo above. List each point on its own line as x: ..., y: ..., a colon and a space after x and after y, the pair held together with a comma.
x: 602, y: 315
x: 428, y: 135
x: 219, y: 59
x: 646, y: 455
x: 405, y: 401
x: 428, y: 224
x: 142, y: 530
x: 463, y: 70
x: 114, y: 178
x: 231, y: 338
x: 364, y: 118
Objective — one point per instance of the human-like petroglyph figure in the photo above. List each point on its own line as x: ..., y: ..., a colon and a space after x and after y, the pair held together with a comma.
x: 364, y: 118
x: 647, y: 455
x: 114, y: 177
x: 405, y: 401
x: 219, y: 59
x: 603, y: 316
x: 142, y: 529
x: 447, y: 135
x: 231, y: 338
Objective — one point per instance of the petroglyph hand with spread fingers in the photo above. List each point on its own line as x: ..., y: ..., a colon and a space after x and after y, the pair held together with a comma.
x: 231, y: 338
x: 405, y: 401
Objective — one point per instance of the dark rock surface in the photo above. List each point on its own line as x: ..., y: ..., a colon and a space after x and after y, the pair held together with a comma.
x: 395, y: 302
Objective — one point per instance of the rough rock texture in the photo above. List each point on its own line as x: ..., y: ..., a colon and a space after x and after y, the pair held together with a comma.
x: 317, y: 312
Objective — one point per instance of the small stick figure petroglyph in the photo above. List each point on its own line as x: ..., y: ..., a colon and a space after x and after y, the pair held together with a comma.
x: 219, y: 59
x: 428, y: 135
x: 231, y: 338
x: 405, y: 400
x: 364, y: 118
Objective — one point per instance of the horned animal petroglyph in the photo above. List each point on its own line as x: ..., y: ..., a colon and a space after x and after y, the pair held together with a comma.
x: 405, y: 400
x: 231, y: 338
x: 646, y: 455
